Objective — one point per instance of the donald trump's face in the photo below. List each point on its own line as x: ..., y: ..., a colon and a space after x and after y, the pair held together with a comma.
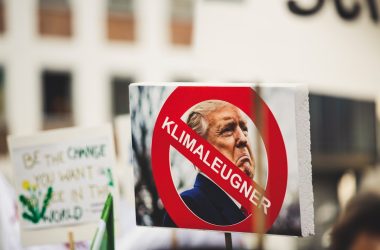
x: 228, y: 132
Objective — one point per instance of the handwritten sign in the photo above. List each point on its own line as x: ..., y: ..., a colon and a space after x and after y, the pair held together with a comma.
x: 62, y: 178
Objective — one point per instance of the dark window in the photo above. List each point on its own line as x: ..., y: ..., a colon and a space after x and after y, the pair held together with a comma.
x: 181, y: 25
x: 57, y: 99
x: 120, y: 94
x: 343, y: 132
x: 3, y: 125
x: 2, y: 16
x: 54, y: 18
x: 121, y: 20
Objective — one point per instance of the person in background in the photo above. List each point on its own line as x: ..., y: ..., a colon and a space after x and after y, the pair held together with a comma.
x: 358, y: 227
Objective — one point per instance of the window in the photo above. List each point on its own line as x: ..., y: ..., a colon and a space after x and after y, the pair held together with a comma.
x: 57, y: 105
x: 2, y: 16
x: 181, y: 21
x: 120, y: 20
x: 54, y: 18
x: 3, y: 125
x: 343, y: 132
x: 120, y: 93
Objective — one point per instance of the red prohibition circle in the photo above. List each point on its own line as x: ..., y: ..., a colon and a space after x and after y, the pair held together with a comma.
x: 183, y: 98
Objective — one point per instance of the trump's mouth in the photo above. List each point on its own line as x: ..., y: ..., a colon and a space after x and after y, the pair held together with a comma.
x: 243, y: 159
x: 244, y: 164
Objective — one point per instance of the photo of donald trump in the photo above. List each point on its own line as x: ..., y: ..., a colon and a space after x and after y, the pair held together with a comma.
x: 225, y: 127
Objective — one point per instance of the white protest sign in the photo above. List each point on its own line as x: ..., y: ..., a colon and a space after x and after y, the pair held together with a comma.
x: 62, y: 179
x: 245, y: 149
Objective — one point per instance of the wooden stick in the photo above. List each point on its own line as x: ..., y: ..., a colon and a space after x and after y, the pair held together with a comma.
x: 174, y: 242
x: 259, y: 220
x: 260, y: 242
x: 71, y: 241
x: 228, y: 240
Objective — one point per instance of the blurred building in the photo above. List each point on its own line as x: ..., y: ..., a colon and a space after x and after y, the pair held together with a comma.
x: 330, y: 45
x: 69, y: 63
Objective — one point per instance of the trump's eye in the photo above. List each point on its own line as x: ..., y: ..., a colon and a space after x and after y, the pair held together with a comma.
x: 228, y: 129
x: 244, y: 128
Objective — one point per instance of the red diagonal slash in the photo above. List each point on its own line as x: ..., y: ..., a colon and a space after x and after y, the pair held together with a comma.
x: 212, y: 163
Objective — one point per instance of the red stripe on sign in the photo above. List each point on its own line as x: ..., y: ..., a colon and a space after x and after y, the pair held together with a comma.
x: 215, y: 165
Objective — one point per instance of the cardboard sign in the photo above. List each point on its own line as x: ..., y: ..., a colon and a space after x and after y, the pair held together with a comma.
x: 246, y: 157
x: 62, y: 179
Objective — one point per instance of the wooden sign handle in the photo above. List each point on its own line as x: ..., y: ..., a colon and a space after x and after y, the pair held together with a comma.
x: 228, y: 240
x: 174, y: 243
x: 71, y: 241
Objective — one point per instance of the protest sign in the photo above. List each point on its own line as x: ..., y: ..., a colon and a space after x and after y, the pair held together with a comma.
x: 62, y: 179
x: 219, y: 157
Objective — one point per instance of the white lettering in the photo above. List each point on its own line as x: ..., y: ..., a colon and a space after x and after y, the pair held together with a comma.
x: 205, y: 158
x: 181, y: 137
x: 173, y: 132
x: 167, y: 124
x: 218, y: 166
x: 189, y: 144
x: 215, y: 163
x: 254, y: 194
x: 265, y: 203
x: 247, y: 189
x: 199, y: 151
x: 235, y: 184
x: 228, y: 174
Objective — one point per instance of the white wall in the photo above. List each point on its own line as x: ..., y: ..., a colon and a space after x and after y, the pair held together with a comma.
x: 262, y: 40
x: 246, y: 40
x: 256, y: 40
x: 88, y: 55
